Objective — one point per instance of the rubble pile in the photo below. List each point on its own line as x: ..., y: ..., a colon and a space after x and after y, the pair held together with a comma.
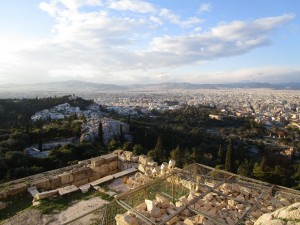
x: 210, y: 201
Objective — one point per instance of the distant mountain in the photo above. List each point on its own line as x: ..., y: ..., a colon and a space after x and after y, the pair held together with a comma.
x: 83, y: 88
x: 247, y: 85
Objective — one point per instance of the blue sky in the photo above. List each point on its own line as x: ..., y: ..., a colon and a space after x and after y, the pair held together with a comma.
x: 136, y: 41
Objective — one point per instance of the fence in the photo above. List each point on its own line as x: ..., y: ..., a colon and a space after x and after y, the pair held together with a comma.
x: 180, y: 183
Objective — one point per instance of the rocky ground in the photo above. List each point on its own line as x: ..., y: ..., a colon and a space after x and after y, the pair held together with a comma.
x: 284, y: 216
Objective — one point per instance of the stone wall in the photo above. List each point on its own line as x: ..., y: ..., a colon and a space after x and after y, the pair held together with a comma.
x: 82, y: 173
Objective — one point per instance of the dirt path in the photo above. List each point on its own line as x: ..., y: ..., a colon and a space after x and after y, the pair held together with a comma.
x: 34, y: 216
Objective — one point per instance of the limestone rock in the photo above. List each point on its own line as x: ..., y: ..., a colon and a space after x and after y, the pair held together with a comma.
x: 173, y: 220
x: 172, y: 164
x: 162, y: 199
x: 143, y: 159
x: 150, y: 204
x: 126, y: 220
x: 155, y: 212
x: 278, y: 217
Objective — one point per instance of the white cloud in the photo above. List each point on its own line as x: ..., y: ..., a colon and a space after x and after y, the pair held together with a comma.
x: 156, y: 20
x: 224, y: 40
x: 205, y: 7
x: 98, y: 45
x: 175, y: 19
x: 132, y: 5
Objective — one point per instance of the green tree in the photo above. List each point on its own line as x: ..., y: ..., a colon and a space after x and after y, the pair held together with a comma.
x: 138, y: 149
x: 245, y: 169
x: 113, y: 145
x: 260, y: 170
x: 40, y: 141
x: 100, y: 133
x: 3, y: 168
x: 152, y: 154
x: 159, y: 150
x: 176, y: 155
x: 127, y: 146
x: 229, y: 157
x: 220, y: 156
x: 16, y: 159
x: 296, y: 175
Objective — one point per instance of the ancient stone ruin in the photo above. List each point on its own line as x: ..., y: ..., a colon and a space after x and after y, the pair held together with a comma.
x: 69, y: 179
x: 164, y: 194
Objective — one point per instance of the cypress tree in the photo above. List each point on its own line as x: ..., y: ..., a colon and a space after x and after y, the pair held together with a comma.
x: 159, y: 149
x: 220, y: 155
x: 175, y: 154
x: 229, y: 157
x: 100, y: 133
x: 245, y: 169
x: 40, y: 141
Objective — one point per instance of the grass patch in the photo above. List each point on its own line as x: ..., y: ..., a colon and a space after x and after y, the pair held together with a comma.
x: 47, y: 206
x: 15, y: 205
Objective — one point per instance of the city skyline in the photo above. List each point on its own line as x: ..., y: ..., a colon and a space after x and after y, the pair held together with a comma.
x: 129, y: 41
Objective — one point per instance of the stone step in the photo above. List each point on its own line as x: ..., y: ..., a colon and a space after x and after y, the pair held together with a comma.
x: 85, y: 188
x: 67, y: 190
x: 46, y: 194
x: 33, y: 191
x: 102, y: 180
x: 125, y: 172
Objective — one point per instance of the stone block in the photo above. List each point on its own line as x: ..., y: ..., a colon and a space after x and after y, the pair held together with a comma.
x: 102, y: 180
x: 172, y: 163
x: 141, y: 207
x: 32, y: 191
x: 245, y: 191
x: 97, y: 162
x: 43, y: 183
x: 85, y: 188
x: 67, y: 190
x: 173, y: 220
x: 113, y: 165
x: 55, y: 182
x: 118, y: 152
x: 96, y: 169
x: 80, y: 182
x: 141, y: 168
x: 17, y: 189
x: 155, y: 212
x: 164, y: 166
x: 79, y: 174
x: 170, y: 211
x: 190, y: 221
x: 150, y: 204
x: 46, y: 194
x: 110, y: 157
x: 104, y: 169
x: 152, y: 164
x: 229, y: 221
x: 124, y: 173
x: 66, y: 178
x: 143, y: 159
x: 122, y: 219
x: 135, y: 159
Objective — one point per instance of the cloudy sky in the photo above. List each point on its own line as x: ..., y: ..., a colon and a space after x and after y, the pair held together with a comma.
x: 137, y: 41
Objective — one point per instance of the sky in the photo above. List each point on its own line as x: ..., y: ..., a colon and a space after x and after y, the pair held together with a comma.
x: 139, y: 41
